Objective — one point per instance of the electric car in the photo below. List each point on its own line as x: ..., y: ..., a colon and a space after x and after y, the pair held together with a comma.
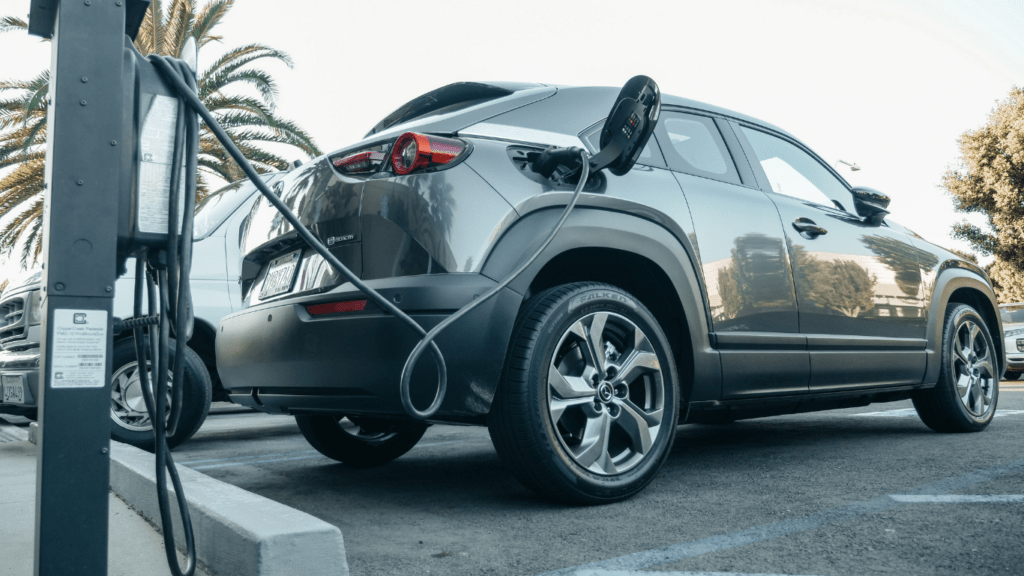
x: 1013, y: 336
x: 732, y: 273
x: 215, y: 293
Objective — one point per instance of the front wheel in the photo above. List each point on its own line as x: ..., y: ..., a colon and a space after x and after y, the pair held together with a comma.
x: 964, y: 400
x: 131, y: 421
x: 587, y: 410
x: 360, y: 442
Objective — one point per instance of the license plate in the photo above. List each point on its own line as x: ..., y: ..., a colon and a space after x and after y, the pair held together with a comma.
x: 14, y: 389
x: 280, y: 275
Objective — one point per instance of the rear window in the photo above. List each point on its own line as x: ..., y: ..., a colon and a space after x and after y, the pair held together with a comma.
x: 446, y: 99
x: 213, y: 210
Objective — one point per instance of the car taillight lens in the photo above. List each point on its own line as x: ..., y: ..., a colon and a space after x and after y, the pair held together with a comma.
x: 366, y: 161
x: 335, y: 307
x: 415, y: 151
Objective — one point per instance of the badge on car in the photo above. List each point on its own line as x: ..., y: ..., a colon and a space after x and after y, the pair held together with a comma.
x: 280, y: 275
x: 14, y: 389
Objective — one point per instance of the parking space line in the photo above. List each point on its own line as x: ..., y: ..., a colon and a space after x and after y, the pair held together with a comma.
x: 652, y: 573
x: 907, y: 412
x: 958, y: 498
x: 646, y: 573
x: 677, y: 552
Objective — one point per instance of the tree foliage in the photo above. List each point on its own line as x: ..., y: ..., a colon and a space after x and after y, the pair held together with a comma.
x: 989, y: 180
x: 249, y: 115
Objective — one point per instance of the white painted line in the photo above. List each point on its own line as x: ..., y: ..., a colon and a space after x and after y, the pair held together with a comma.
x: 248, y: 462
x: 653, y: 573
x: 959, y: 498
x: 906, y: 412
x: 676, y: 552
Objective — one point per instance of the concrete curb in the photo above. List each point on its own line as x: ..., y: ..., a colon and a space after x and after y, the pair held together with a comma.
x: 236, y: 531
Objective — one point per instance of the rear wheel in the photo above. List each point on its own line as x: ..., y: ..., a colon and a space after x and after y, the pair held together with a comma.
x: 588, y: 407
x: 964, y: 400
x: 360, y: 442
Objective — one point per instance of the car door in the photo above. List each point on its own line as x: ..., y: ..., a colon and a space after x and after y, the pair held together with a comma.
x: 858, y: 285
x: 743, y: 257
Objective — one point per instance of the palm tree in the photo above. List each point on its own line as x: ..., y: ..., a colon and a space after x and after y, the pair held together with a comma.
x: 249, y: 119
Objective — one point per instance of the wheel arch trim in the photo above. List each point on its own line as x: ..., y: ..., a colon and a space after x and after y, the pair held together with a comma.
x: 594, y: 227
x: 951, y: 280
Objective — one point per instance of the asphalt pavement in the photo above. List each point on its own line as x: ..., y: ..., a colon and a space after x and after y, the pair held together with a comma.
x: 860, y: 491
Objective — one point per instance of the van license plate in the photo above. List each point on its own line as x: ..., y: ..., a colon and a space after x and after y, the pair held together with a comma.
x: 280, y: 275
x: 14, y: 389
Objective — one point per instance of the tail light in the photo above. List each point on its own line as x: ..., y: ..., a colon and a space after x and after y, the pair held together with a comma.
x: 366, y: 161
x: 417, y: 151
x: 335, y: 307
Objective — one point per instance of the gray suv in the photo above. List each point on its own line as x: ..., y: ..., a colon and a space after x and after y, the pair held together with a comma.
x: 731, y: 274
x: 215, y: 293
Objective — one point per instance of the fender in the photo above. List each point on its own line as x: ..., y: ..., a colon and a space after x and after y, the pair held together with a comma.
x: 590, y: 227
x: 952, y: 276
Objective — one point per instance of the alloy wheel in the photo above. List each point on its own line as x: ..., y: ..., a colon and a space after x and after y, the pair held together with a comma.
x: 606, y: 393
x: 973, y: 369
x: 127, y: 405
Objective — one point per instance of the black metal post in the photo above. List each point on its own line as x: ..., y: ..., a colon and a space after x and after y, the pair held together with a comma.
x: 83, y: 166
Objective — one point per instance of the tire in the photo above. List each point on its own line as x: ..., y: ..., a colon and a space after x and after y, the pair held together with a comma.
x: 965, y: 398
x: 360, y: 442
x: 1010, y: 375
x: 131, y: 422
x: 578, y: 439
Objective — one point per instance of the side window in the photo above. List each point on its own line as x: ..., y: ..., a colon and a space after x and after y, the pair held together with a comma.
x: 793, y: 172
x: 693, y: 145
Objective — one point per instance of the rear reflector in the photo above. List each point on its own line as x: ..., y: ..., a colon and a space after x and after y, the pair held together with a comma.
x: 335, y: 307
x: 414, y: 151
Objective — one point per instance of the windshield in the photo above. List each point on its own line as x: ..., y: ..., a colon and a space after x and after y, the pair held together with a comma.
x: 1012, y: 313
x: 213, y: 210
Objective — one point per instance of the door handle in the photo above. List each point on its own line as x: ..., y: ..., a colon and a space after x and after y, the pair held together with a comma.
x: 807, y: 228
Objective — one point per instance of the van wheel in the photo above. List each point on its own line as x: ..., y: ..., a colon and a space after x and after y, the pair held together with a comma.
x: 131, y: 421
x: 360, y: 442
x: 587, y: 410
x: 964, y: 400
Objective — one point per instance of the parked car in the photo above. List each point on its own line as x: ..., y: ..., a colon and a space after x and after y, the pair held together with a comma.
x: 731, y: 274
x: 1013, y: 336
x: 215, y: 293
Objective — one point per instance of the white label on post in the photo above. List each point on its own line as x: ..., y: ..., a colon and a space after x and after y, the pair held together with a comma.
x: 79, y: 349
x: 156, y: 152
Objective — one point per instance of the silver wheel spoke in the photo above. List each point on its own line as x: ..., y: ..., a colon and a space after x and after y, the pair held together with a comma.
x: 568, y: 388
x: 637, y: 425
x: 638, y: 363
x: 590, y: 340
x: 964, y: 386
x: 593, y: 449
x: 985, y: 366
x: 559, y: 405
x: 972, y: 331
x: 958, y: 351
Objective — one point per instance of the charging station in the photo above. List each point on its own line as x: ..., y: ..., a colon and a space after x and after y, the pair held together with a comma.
x: 83, y: 167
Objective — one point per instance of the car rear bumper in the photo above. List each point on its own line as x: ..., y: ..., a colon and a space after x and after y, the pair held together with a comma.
x: 277, y: 357
x: 26, y: 365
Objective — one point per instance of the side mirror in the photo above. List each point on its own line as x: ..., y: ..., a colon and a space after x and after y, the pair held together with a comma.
x: 629, y: 127
x: 870, y: 204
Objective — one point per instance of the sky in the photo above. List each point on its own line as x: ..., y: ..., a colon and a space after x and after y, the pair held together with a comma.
x: 889, y: 85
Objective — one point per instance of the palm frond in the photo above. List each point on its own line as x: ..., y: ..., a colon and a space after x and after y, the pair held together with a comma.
x: 12, y: 24
x: 207, y: 19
